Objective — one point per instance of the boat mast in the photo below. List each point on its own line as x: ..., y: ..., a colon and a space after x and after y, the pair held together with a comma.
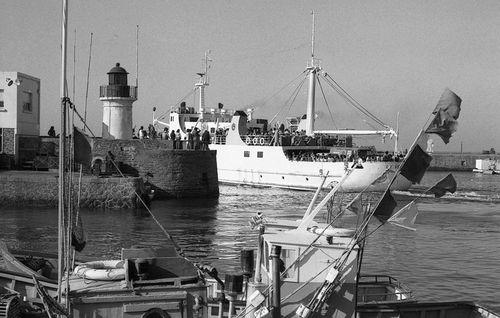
x: 202, y: 83
x: 396, y: 150
x: 312, y: 69
x: 62, y: 147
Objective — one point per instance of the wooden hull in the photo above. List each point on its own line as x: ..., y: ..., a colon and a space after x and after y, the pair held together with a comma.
x: 23, y: 284
x: 44, y: 263
x: 425, y: 310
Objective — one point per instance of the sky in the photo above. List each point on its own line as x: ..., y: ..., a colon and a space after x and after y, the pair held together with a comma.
x: 392, y: 56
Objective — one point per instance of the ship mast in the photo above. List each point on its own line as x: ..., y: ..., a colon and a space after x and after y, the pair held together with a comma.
x: 313, y: 69
x: 202, y: 83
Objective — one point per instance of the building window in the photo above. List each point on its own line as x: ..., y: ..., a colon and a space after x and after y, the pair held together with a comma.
x: 1, y: 99
x: 27, y: 102
x: 260, y: 154
x: 246, y: 154
x: 1, y: 140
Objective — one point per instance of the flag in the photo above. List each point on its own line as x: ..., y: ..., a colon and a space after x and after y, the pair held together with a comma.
x: 383, y: 177
x: 448, y: 183
x: 416, y: 164
x: 446, y: 113
x: 78, y: 237
x: 83, y: 150
x: 356, y: 205
x: 385, y: 207
x: 406, y: 216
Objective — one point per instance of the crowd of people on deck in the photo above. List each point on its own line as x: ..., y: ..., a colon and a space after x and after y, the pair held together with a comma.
x: 195, y: 139
x: 333, y: 157
x: 284, y: 137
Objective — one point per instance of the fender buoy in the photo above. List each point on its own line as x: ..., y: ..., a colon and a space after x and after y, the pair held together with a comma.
x: 102, y: 270
x: 255, y: 140
x: 248, y: 141
x: 262, y: 141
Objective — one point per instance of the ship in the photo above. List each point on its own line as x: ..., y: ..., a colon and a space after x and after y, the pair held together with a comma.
x: 292, y: 154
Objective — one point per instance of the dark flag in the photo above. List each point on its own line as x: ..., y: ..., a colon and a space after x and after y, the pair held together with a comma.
x: 447, y: 111
x: 447, y: 184
x: 416, y: 164
x: 385, y: 207
x: 83, y: 150
x: 78, y: 237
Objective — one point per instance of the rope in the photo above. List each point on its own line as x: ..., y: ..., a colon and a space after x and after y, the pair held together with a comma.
x: 326, y: 103
x: 49, y: 303
x: 351, y: 100
x: 294, y: 92
x: 191, y: 92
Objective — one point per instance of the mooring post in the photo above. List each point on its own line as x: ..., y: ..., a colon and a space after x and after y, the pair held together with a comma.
x: 276, y: 300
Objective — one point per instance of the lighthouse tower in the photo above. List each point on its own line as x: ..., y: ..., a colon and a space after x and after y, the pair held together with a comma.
x: 117, y: 98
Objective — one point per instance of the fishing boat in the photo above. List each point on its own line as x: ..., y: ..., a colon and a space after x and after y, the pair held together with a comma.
x: 487, y: 166
x: 291, y: 155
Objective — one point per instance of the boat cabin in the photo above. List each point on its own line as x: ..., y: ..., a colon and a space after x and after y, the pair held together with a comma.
x: 156, y: 283
x: 310, y: 272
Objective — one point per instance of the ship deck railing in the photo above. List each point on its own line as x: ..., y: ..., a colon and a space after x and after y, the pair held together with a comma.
x: 382, y: 288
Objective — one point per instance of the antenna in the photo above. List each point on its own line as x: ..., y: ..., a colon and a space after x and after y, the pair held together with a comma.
x: 74, y: 65
x: 137, y: 57
x: 397, y: 134
x: 87, y: 89
x: 203, y: 82
x: 205, y: 66
x: 312, y: 38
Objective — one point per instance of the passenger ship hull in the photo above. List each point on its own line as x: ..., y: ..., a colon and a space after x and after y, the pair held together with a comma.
x: 267, y: 166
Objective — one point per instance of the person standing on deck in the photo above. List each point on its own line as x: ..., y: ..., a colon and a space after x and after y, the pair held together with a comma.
x: 178, y: 140
x: 277, y: 137
x: 196, y: 139
x: 189, y: 139
x: 141, y: 133
x: 172, y: 137
x: 205, y: 140
x: 164, y: 134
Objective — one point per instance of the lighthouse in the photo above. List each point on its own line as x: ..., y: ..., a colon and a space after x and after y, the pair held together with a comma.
x: 117, y: 98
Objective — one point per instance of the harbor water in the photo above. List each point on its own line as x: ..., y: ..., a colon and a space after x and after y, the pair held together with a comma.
x: 453, y: 255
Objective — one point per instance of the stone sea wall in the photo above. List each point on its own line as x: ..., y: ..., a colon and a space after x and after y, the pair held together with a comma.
x: 40, y: 189
x: 171, y: 173
x: 457, y: 161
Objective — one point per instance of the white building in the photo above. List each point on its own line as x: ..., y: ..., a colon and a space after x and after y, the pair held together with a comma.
x: 19, y: 116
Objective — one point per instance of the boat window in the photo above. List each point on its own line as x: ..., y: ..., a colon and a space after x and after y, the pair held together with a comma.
x: 288, y: 256
x: 246, y: 154
x: 266, y: 256
x: 260, y: 154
